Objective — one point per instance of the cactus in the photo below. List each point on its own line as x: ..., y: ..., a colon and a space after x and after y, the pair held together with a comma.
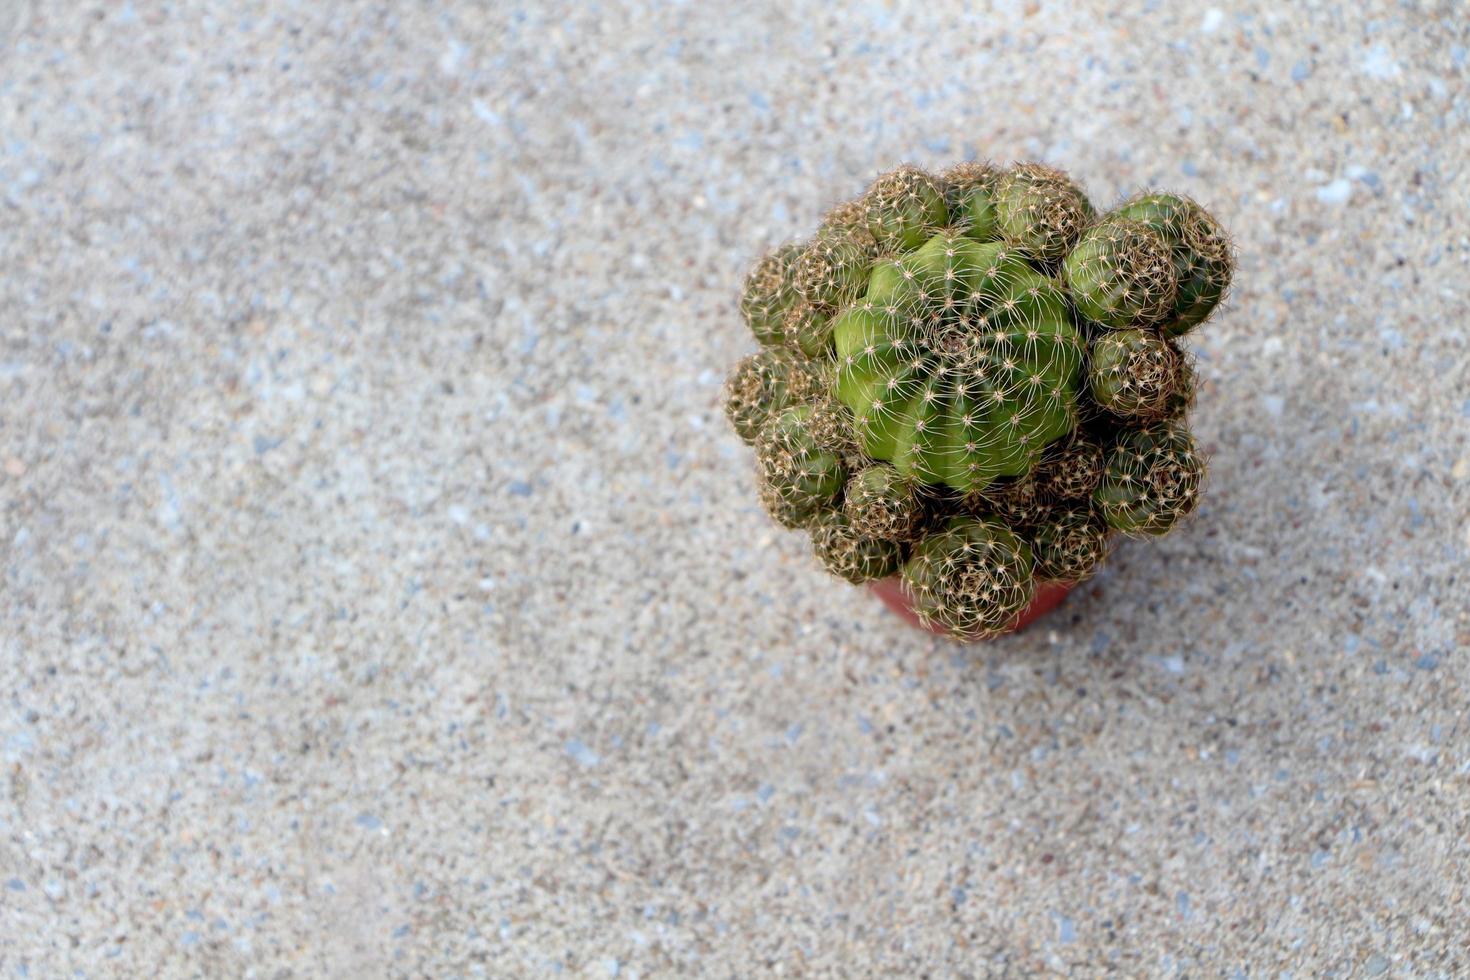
x: 1071, y: 470
x: 849, y: 554
x: 1204, y: 260
x: 768, y: 294
x: 972, y: 579
x: 1185, y: 386
x: 807, y: 329
x: 881, y: 503
x: 903, y: 208
x: 973, y: 379
x: 969, y: 197
x: 849, y: 220
x: 1152, y: 479
x: 1041, y: 211
x: 761, y: 385
x: 1122, y: 273
x: 1018, y: 502
x: 1069, y: 545
x: 831, y: 270
x: 799, y: 476
x: 1133, y: 372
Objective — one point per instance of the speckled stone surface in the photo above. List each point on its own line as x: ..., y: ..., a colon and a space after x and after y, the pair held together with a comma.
x: 385, y: 595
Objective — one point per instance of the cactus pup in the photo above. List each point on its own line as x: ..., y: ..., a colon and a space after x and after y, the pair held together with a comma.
x: 968, y: 383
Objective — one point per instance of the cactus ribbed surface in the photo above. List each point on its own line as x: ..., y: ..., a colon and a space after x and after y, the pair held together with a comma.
x: 973, y: 378
x: 959, y: 363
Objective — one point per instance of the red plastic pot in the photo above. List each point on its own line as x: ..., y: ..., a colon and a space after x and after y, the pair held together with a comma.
x: 1048, y: 596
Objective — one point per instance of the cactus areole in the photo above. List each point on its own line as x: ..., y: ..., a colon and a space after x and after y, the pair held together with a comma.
x: 969, y: 382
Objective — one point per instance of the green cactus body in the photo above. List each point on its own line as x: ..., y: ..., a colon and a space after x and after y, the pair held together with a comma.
x: 972, y: 578
x: 969, y: 194
x: 882, y: 503
x: 1040, y: 211
x: 1152, y: 479
x: 1069, y: 545
x: 799, y: 476
x: 960, y: 363
x: 761, y: 385
x: 1122, y: 274
x: 1133, y: 373
x: 1203, y: 256
x: 851, y: 555
x: 904, y: 208
x: 769, y: 292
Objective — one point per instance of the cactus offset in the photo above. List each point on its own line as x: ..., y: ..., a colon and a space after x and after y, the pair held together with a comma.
x: 904, y: 208
x: 973, y: 378
x: 1204, y: 259
x: 849, y: 554
x: 1133, y: 373
x: 883, y: 504
x: 1071, y: 469
x: 1040, y: 211
x: 1070, y: 544
x: 831, y: 270
x: 1122, y: 273
x: 1152, y: 479
x: 972, y: 579
x: 799, y: 476
x: 768, y: 294
x: 807, y: 329
x: 1185, y: 385
x: 1018, y: 502
x: 969, y: 197
x: 761, y: 385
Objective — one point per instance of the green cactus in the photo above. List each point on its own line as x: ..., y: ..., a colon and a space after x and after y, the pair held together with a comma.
x: 761, y: 385
x: 904, y: 208
x: 960, y: 362
x: 1069, y: 545
x: 969, y: 197
x: 1122, y: 274
x: 1040, y: 211
x: 849, y: 220
x: 1204, y: 259
x: 972, y: 578
x: 831, y: 270
x: 769, y: 292
x: 1152, y: 479
x: 849, y: 554
x: 799, y: 476
x: 973, y: 379
x: 883, y: 504
x: 1133, y: 373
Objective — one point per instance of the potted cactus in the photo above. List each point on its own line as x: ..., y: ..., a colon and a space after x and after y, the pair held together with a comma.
x: 969, y: 383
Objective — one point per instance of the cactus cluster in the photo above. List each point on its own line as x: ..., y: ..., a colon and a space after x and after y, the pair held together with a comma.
x: 973, y: 379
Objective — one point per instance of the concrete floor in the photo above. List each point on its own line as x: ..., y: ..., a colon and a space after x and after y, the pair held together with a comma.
x: 385, y: 595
